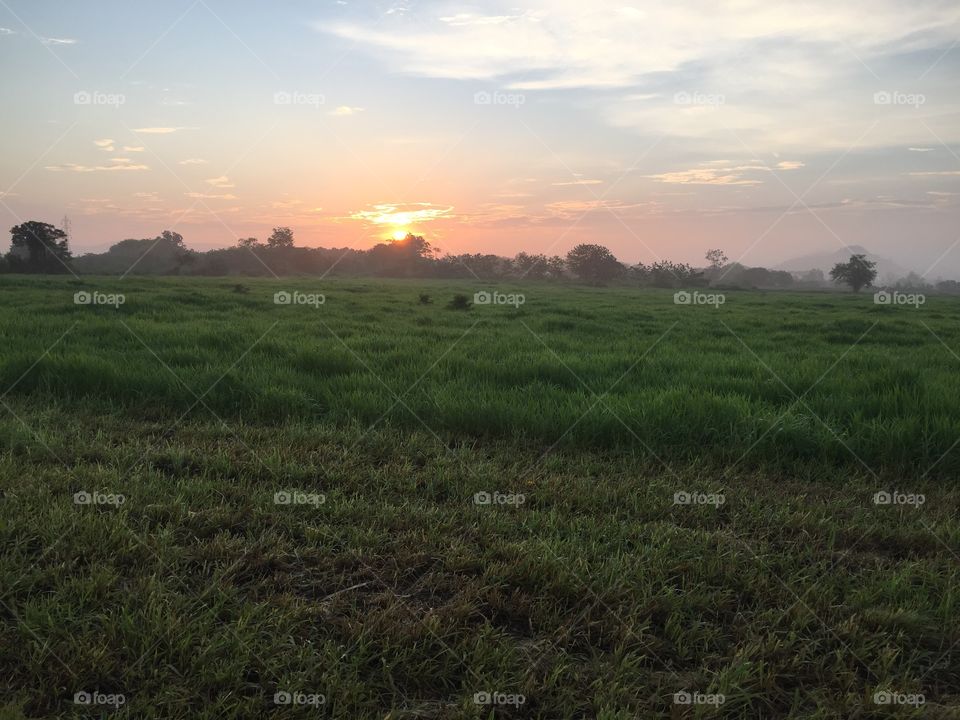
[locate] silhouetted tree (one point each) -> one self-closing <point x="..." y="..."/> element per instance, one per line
<point x="250" y="242"/>
<point x="594" y="263"/>
<point x="281" y="237"/>
<point x="174" y="239"/>
<point x="857" y="272"/>
<point x="670" y="274"/>
<point x="716" y="258"/>
<point x="410" y="256"/>
<point x="531" y="266"/>
<point x="556" y="267"/>
<point x="38" y="247"/>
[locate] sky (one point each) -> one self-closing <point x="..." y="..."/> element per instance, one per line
<point x="660" y="129"/>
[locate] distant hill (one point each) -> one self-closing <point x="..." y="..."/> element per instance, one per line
<point x="825" y="261"/>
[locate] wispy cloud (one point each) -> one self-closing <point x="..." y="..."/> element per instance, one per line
<point x="402" y="213"/>
<point x="209" y="196"/>
<point x="105" y="144"/>
<point x="157" y="130"/>
<point x="193" y="161"/>
<point x="6" y="31"/>
<point x="346" y="110"/>
<point x="776" y="78"/>
<point x="220" y="182"/>
<point x="117" y="164"/>
<point x="578" y="182"/>
<point x="709" y="176"/>
<point x="58" y="41"/>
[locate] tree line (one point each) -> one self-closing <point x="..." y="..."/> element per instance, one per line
<point x="38" y="247"/>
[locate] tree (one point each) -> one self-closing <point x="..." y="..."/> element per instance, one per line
<point x="716" y="258"/>
<point x="857" y="272"/>
<point x="409" y="256"/>
<point x="173" y="239"/>
<point x="250" y="242"/>
<point x="37" y="247"/>
<point x="665" y="273"/>
<point x="281" y="237"/>
<point x="531" y="266"/>
<point x="594" y="263"/>
<point x="556" y="266"/>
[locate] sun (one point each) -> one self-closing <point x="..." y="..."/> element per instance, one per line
<point x="399" y="234"/>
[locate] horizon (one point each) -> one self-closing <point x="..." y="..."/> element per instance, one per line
<point x="657" y="132"/>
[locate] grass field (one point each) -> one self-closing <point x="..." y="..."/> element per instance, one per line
<point x="588" y="586"/>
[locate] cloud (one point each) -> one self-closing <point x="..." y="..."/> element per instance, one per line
<point x="402" y="213"/>
<point x="206" y="196"/>
<point x="106" y="145"/>
<point x="58" y="41"/>
<point x="776" y="78"/>
<point x="117" y="164"/>
<point x="578" y="182"/>
<point x="935" y="173"/>
<point x="220" y="182"/>
<point x="127" y="148"/>
<point x="469" y="19"/>
<point x="6" y="31"/>
<point x="710" y="176"/>
<point x="193" y="161"/>
<point x="920" y="149"/>
<point x="157" y="130"/>
<point x="573" y="44"/>
<point x="345" y="110"/>
<point x="790" y="165"/>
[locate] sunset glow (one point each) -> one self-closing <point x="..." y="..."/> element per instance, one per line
<point x="531" y="127"/>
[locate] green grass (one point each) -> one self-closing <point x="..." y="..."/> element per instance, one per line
<point x="398" y="596"/>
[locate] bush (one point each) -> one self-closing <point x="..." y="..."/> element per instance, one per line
<point x="460" y="302"/>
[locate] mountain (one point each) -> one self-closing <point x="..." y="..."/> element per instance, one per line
<point x="826" y="260"/>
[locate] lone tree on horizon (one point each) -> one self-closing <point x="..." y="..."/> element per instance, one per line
<point x="857" y="272"/>
<point x="38" y="247"/>
<point x="594" y="263"/>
